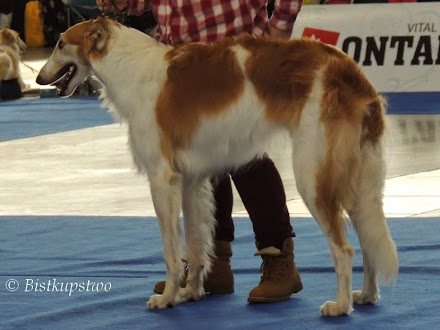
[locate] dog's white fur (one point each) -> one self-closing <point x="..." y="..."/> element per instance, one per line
<point x="11" y="46"/>
<point x="338" y="150"/>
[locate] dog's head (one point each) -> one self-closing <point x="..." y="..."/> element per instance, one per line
<point x="70" y="62"/>
<point x="11" y="38"/>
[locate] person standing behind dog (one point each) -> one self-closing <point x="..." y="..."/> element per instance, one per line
<point x="258" y="183"/>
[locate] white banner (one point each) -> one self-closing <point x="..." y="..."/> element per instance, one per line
<point x="397" y="45"/>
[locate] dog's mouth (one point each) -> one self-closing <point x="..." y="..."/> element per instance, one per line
<point x="63" y="78"/>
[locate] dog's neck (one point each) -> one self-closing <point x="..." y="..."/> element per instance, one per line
<point x="134" y="64"/>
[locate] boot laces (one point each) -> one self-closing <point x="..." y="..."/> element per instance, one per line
<point x="273" y="268"/>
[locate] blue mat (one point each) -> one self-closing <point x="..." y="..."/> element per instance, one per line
<point x="32" y="117"/>
<point x="120" y="259"/>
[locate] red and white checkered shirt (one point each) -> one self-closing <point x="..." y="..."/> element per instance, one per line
<point x="181" y="21"/>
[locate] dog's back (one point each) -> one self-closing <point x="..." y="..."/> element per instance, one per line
<point x="236" y="92"/>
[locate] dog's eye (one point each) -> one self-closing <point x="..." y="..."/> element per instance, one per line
<point x="60" y="44"/>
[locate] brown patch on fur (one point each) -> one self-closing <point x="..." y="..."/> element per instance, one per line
<point x="203" y="80"/>
<point x="346" y="91"/>
<point x="92" y="36"/>
<point x="374" y="122"/>
<point x="283" y="74"/>
<point x="8" y="38"/>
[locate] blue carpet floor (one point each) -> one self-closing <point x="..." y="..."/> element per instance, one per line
<point x="123" y="256"/>
<point x="120" y="259"/>
<point x="32" y="117"/>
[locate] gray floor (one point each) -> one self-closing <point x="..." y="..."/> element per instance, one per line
<point x="89" y="171"/>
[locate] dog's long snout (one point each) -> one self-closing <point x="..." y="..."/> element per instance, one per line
<point x="42" y="78"/>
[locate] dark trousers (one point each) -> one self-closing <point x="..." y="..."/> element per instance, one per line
<point x="261" y="190"/>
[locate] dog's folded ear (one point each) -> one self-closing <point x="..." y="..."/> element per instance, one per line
<point x="97" y="36"/>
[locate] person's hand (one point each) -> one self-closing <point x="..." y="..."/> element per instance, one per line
<point x="110" y="6"/>
<point x="274" y="33"/>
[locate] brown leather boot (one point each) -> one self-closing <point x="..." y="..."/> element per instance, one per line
<point x="280" y="277"/>
<point x="220" y="280"/>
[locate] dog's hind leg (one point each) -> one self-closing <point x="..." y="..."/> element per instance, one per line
<point x="316" y="179"/>
<point x="197" y="206"/>
<point x="331" y="223"/>
<point x="378" y="249"/>
<point x="166" y="193"/>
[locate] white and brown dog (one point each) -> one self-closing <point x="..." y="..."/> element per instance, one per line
<point x="11" y="47"/>
<point x="200" y="109"/>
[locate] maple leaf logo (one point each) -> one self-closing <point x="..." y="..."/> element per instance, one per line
<point x="327" y="37"/>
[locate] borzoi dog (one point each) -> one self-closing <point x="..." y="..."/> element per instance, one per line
<point x="199" y="109"/>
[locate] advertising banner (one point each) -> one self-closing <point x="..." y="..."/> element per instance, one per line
<point x="397" y="45"/>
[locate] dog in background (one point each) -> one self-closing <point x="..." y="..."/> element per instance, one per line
<point x="199" y="109"/>
<point x="5" y="20"/>
<point x="6" y="9"/>
<point x="11" y="46"/>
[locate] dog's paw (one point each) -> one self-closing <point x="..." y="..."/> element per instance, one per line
<point x="361" y="298"/>
<point x="332" y="308"/>
<point x="159" y="301"/>
<point x="188" y="294"/>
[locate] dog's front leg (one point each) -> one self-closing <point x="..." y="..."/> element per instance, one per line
<point x="199" y="228"/>
<point x="23" y="85"/>
<point x="166" y="194"/>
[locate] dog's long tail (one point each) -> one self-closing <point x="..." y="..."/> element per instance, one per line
<point x="367" y="212"/>
<point x="356" y="162"/>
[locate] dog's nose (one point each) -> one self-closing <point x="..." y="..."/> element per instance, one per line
<point x="40" y="80"/>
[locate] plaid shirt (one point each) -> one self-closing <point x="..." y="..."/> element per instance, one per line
<point x="181" y="21"/>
